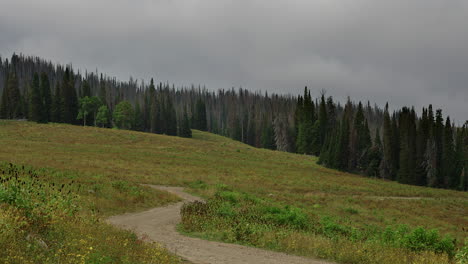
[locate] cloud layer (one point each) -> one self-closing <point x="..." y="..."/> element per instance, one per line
<point x="405" y="52"/>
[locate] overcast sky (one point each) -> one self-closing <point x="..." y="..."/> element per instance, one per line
<point x="407" y="52"/>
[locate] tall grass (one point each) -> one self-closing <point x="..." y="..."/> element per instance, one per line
<point x="44" y="222"/>
<point x="242" y="218"/>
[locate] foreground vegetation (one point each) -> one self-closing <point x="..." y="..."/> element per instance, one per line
<point x="104" y="159"/>
<point x="46" y="217"/>
<point x="242" y="218"/>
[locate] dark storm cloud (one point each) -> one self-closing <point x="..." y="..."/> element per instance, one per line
<point x="405" y="52"/>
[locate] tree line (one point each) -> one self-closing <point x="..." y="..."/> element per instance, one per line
<point x="421" y="150"/>
<point x="358" y="138"/>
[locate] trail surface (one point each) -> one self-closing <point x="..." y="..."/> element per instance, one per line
<point x="159" y="224"/>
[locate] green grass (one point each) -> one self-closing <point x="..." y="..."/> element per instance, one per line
<point x="207" y="161"/>
<point x="245" y="219"/>
<point x="45" y="219"/>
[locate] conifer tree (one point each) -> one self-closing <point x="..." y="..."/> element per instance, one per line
<point x="69" y="97"/>
<point x="57" y="104"/>
<point x="341" y="151"/>
<point x="200" y="122"/>
<point x="360" y="141"/>
<point x="320" y="127"/>
<point x="421" y="145"/>
<point x="395" y="146"/>
<point x="35" y="100"/>
<point x="102" y="91"/>
<point x="448" y="157"/>
<point x="155" y="126"/>
<point x="268" y="137"/>
<point x="171" y="118"/>
<point x="12" y="105"/>
<point x="138" y="120"/>
<point x="459" y="164"/>
<point x="374" y="156"/>
<point x="439" y="142"/>
<point x="46" y="98"/>
<point x="86" y="89"/>
<point x="184" y="128"/>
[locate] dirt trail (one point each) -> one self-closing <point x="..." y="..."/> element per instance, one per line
<point x="159" y="224"/>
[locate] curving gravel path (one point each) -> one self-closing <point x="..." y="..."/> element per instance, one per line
<point x="159" y="224"/>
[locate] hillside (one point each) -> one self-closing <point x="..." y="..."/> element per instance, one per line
<point x="215" y="162"/>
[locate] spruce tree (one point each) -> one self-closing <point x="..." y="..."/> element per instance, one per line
<point x="12" y="105"/>
<point x="4" y="106"/>
<point x="154" y="117"/>
<point x="459" y="163"/>
<point x="439" y="142"/>
<point x="69" y="97"/>
<point x="35" y="100"/>
<point x="200" y="122"/>
<point x="374" y="156"/>
<point x="184" y="128"/>
<point x="102" y="91"/>
<point x="360" y="141"/>
<point x="421" y="145"/>
<point x="320" y="127"/>
<point x="86" y="89"/>
<point x="450" y="180"/>
<point x="57" y="105"/>
<point x="171" y="118"/>
<point x="268" y="136"/>
<point x="46" y="98"/>
<point x="341" y="151"/>
<point x="138" y="120"/>
<point x="395" y="146"/>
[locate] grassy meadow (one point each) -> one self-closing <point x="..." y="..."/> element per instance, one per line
<point x="340" y="216"/>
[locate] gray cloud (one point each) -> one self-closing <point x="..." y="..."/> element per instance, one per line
<point x="405" y="52"/>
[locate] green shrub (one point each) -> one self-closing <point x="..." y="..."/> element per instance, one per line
<point x="462" y="254"/>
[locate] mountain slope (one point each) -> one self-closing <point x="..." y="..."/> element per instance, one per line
<point x="279" y="177"/>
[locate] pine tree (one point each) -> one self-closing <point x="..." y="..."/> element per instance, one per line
<point x="407" y="132"/>
<point x="320" y="127"/>
<point x="360" y="141"/>
<point x="305" y="137"/>
<point x="171" y="118"/>
<point x="459" y="164"/>
<point x="86" y="89"/>
<point x="69" y="97"/>
<point x="12" y="105"/>
<point x="439" y="141"/>
<point x="4" y="106"/>
<point x="395" y="147"/>
<point x="268" y="137"/>
<point x="374" y="156"/>
<point x="102" y="91"/>
<point x="450" y="180"/>
<point x="421" y="145"/>
<point x="155" y="126"/>
<point x="184" y="128"/>
<point x="57" y="105"/>
<point x="35" y="100"/>
<point x="200" y="122"/>
<point x="341" y="151"/>
<point x="138" y="120"/>
<point x="46" y="98"/>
